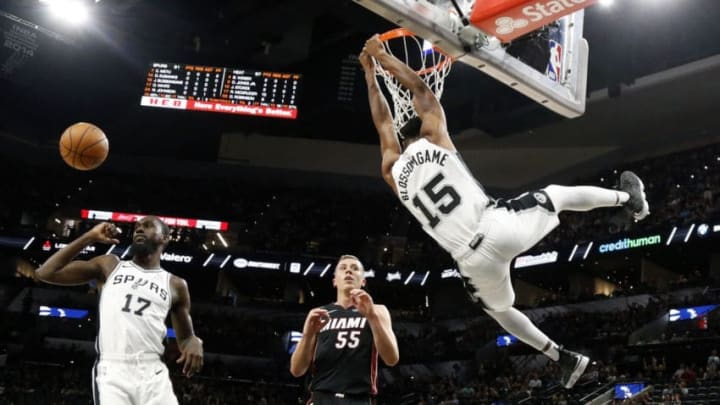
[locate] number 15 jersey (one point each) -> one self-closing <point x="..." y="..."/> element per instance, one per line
<point x="436" y="186"/>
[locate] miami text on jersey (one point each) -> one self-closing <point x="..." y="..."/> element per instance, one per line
<point x="357" y="322"/>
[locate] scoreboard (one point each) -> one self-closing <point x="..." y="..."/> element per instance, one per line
<point x="221" y="90"/>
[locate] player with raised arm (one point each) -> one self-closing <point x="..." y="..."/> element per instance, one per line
<point x="482" y="234"/>
<point x="135" y="299"/>
<point x="341" y="342"/>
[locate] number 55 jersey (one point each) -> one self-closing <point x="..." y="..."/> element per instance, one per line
<point x="345" y="359"/>
<point x="438" y="189"/>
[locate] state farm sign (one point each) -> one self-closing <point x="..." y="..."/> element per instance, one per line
<point x="510" y="19"/>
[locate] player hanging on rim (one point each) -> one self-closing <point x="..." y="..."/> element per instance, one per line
<point x="135" y="300"/>
<point x="482" y="234"/>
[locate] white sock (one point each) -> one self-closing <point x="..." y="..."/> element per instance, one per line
<point x="552" y="351"/>
<point x="520" y="326"/>
<point x="584" y="198"/>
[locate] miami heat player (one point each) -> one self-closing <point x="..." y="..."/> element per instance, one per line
<point x="341" y="342"/>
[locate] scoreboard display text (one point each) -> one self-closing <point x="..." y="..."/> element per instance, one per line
<point x="221" y="90"/>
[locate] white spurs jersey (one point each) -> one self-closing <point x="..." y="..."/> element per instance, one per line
<point x="436" y="186"/>
<point x="134" y="304"/>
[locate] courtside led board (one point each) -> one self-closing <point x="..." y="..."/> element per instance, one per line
<point x="221" y="90"/>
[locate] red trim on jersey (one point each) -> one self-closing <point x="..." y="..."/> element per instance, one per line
<point x="373" y="370"/>
<point x="312" y="372"/>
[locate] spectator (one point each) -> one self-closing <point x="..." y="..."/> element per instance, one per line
<point x="713" y="362"/>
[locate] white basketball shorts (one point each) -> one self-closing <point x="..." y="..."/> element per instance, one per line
<point x="132" y="382"/>
<point x="508" y="228"/>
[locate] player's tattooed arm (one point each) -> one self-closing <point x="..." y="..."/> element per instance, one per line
<point x="191" y="346"/>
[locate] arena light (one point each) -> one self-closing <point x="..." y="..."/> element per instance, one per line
<point x="536" y="260"/>
<point x="450" y="273"/>
<point x="505" y="340"/>
<point x="689" y="233"/>
<point x="683" y="314"/>
<point x="170" y="221"/>
<point x="606" y="3"/>
<point x="56" y="312"/>
<point x="422" y="283"/>
<point x="29" y="242"/>
<point x="72" y="11"/>
<point x="626" y="391"/>
<point x="222" y="240"/>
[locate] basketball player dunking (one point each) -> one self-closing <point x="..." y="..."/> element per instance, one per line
<point x="135" y="300"/>
<point x="341" y="342"/>
<point x="482" y="234"/>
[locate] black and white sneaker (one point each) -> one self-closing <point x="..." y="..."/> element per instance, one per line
<point x="637" y="204"/>
<point x="572" y="365"/>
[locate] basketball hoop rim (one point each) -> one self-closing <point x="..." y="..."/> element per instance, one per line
<point x="404" y="32"/>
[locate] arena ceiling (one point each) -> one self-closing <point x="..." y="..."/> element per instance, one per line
<point x="96" y="73"/>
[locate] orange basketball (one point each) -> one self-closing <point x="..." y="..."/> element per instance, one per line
<point x="84" y="146"/>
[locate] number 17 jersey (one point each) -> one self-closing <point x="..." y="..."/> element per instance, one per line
<point x="438" y="189"/>
<point x="134" y="304"/>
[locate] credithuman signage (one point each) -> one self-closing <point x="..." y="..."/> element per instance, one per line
<point x="628" y="243"/>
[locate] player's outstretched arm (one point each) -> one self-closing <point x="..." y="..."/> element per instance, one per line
<point x="382" y="118"/>
<point x="426" y="104"/>
<point x="60" y="268"/>
<point x="191" y="346"/>
<point x="380" y="322"/>
<point x="302" y="357"/>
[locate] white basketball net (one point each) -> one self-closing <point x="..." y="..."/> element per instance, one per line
<point x="431" y="64"/>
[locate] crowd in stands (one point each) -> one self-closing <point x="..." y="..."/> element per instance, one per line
<point x="498" y="380"/>
<point x="683" y="187"/>
<point x="497" y="383"/>
<point x="33" y="383"/>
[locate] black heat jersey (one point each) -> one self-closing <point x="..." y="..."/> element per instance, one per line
<point x="345" y="356"/>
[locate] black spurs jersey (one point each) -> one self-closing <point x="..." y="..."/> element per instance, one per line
<point x="345" y="358"/>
